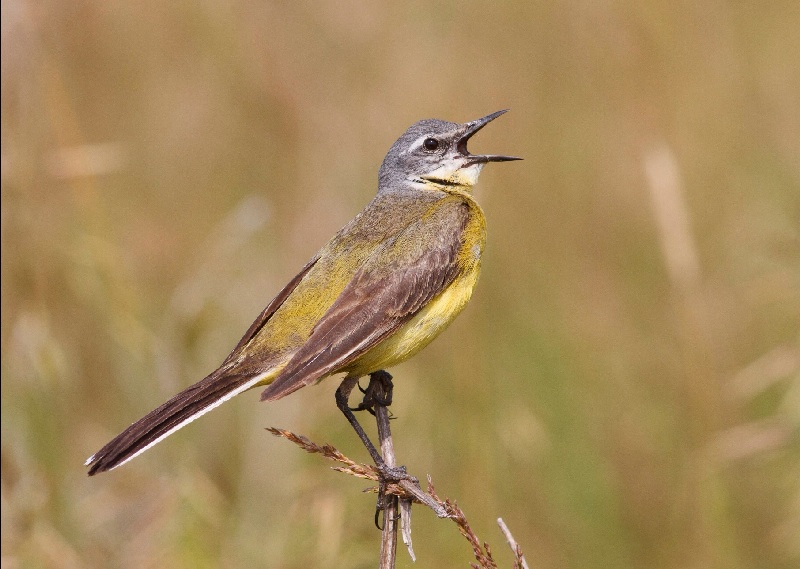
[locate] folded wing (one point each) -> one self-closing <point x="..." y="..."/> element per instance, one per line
<point x="397" y="280"/>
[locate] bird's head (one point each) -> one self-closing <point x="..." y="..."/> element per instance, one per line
<point x="434" y="152"/>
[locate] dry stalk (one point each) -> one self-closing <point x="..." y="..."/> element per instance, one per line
<point x="408" y="492"/>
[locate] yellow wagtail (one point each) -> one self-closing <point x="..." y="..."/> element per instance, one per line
<point x="385" y="286"/>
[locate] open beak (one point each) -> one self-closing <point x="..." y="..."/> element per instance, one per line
<point x="471" y="128"/>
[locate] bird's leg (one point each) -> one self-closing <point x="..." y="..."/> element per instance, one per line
<point x="342" y="396"/>
<point x="377" y="393"/>
<point x="389" y="473"/>
<point x="377" y="398"/>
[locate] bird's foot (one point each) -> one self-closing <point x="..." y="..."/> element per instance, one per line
<point x="389" y="475"/>
<point x="394" y="474"/>
<point x="378" y="392"/>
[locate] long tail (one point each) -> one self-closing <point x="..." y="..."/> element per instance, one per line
<point x="181" y="410"/>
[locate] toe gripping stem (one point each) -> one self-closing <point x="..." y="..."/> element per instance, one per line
<point x="377" y="394"/>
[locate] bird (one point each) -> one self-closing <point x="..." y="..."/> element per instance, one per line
<point x="378" y="292"/>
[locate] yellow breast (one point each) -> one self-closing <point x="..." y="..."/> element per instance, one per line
<point x="431" y="320"/>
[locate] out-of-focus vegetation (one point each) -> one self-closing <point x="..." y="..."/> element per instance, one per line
<point x="623" y="388"/>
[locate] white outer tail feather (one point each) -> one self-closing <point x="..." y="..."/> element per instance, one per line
<point x="189" y="419"/>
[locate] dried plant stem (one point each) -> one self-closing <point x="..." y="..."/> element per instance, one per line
<point x="400" y="496"/>
<point x="482" y="552"/>
<point x="390" y="501"/>
<point x="519" y="561"/>
<point x="408" y="492"/>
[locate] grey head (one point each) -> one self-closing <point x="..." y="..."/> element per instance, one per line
<point x="433" y="153"/>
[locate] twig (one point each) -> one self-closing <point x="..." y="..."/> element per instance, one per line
<point x="388" y="502"/>
<point x="519" y="561"/>
<point x="351" y="467"/>
<point x="407" y="492"/>
<point x="482" y="552"/>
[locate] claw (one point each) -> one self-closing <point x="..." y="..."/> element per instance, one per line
<point x="377" y="394"/>
<point x="371" y="398"/>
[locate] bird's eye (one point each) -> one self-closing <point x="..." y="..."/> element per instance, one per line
<point x="431" y="144"/>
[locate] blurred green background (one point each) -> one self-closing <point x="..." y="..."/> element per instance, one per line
<point x="623" y="389"/>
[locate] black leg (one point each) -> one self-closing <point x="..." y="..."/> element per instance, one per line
<point x="342" y="396"/>
<point x="388" y="473"/>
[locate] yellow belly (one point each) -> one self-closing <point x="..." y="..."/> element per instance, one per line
<point x="421" y="329"/>
<point x="439" y="312"/>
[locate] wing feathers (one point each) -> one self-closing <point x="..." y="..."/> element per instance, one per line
<point x="226" y="382"/>
<point x="182" y="409"/>
<point x="395" y="283"/>
<point x="267" y="313"/>
<point x="398" y="279"/>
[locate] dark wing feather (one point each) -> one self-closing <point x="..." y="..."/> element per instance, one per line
<point x="398" y="280"/>
<point x="192" y="401"/>
<point x="267" y="313"/>
<point x="181" y="409"/>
